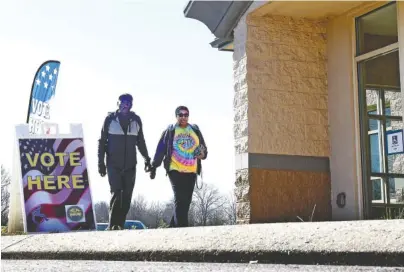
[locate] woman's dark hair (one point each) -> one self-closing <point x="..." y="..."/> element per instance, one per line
<point x="180" y="108"/>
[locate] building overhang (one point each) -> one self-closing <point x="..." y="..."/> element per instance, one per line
<point x="221" y="17"/>
<point x="223" y="44"/>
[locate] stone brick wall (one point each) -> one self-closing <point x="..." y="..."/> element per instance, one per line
<point x="287" y="86"/>
<point x="280" y="107"/>
<point x="240" y="104"/>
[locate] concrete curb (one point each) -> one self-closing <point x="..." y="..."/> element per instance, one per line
<point x="295" y="257"/>
<point x="376" y="243"/>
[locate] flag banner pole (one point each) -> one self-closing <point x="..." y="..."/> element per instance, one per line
<point x="42" y="94"/>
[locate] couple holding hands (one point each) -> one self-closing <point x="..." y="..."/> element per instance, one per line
<point x="181" y="148"/>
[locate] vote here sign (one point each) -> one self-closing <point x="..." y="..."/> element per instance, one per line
<point x="55" y="185"/>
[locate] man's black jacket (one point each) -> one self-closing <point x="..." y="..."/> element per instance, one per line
<point x="120" y="147"/>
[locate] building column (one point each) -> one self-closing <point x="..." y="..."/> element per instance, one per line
<point x="281" y="119"/>
<point x="240" y="104"/>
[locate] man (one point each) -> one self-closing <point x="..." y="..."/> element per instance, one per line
<point x="182" y="148"/>
<point x="121" y="133"/>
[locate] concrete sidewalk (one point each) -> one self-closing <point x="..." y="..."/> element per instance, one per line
<point x="379" y="243"/>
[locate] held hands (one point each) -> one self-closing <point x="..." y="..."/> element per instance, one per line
<point x="153" y="172"/>
<point x="147" y="165"/>
<point x="149" y="168"/>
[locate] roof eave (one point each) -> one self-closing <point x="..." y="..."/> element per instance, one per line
<point x="221" y="17"/>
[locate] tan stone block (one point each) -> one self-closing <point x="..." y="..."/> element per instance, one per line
<point x="273" y="98"/>
<point x="309" y="85"/>
<point x="287" y="145"/>
<point x="291" y="105"/>
<point x="307" y="25"/>
<point x="254" y="96"/>
<point x="242" y="193"/>
<point x="317" y="132"/>
<point x="265" y="113"/>
<point x="301" y="69"/>
<point x="273" y="144"/>
<point x="268" y="81"/>
<point x="323" y="114"/>
<point x="252" y="20"/>
<point x="239" y="67"/>
<point x="259" y="49"/>
<point x="287" y="131"/>
<point x="289" y="23"/>
<point x="268" y="51"/>
<point x="243" y="210"/>
<point x="306" y="54"/>
<point x="323" y="69"/>
<point x="260" y="66"/>
<point x="289" y="115"/>
<point x="255" y="142"/>
<point x="240" y="113"/>
<point x="312" y="117"/>
<point x="242" y="184"/>
<point x="242" y="177"/>
<point x="240" y="98"/>
<point x="315" y="101"/>
<point x="317" y="148"/>
<point x="274" y="21"/>
<point x="293" y="37"/>
<point x="278" y="114"/>
<point x="259" y="113"/>
<point x="240" y="82"/>
<point x="241" y="145"/>
<point x="241" y="129"/>
<point x="283" y="52"/>
<point x="263" y="34"/>
<point x="292" y="115"/>
<point x="319" y="38"/>
<point x="290" y="99"/>
<point x="316" y="117"/>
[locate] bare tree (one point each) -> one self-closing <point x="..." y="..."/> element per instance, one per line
<point x="5" y="195"/>
<point x="192" y="214"/>
<point x="102" y="212"/>
<point x="207" y="200"/>
<point x="218" y="217"/>
<point x="168" y="211"/>
<point x="138" y="209"/>
<point x="156" y="213"/>
<point x="230" y="209"/>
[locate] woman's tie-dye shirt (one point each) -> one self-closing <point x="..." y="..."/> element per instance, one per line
<point x="184" y="144"/>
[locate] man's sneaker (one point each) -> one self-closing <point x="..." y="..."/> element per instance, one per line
<point x="115" y="227"/>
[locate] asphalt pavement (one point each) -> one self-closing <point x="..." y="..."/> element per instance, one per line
<point x="85" y="266"/>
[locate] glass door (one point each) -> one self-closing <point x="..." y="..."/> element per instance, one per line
<point x="381" y="112"/>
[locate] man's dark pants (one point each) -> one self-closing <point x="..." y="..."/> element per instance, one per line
<point x="122" y="184"/>
<point x="183" y="187"/>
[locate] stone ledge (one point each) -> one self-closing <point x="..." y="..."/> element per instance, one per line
<point x="350" y="243"/>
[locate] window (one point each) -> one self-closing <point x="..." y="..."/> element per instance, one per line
<point x="377" y="29"/>
<point x="380" y="102"/>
